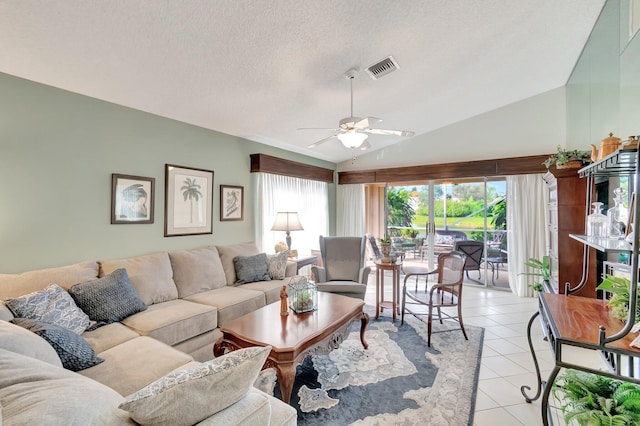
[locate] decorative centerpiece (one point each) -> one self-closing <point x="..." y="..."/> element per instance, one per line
<point x="303" y="294"/>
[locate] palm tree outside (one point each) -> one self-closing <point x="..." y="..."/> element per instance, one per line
<point x="191" y="191"/>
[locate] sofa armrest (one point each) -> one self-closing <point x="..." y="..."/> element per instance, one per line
<point x="291" y="269"/>
<point x="319" y="273"/>
<point x="363" y="276"/>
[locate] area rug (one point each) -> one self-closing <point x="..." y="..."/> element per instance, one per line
<point x="397" y="381"/>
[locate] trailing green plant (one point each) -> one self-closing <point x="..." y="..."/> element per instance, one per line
<point x="620" y="289"/>
<point x="409" y="233"/>
<point x="542" y="271"/>
<point x="563" y="156"/>
<point x="592" y="399"/>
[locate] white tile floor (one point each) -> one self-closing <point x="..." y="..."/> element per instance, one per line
<point x="506" y="362"/>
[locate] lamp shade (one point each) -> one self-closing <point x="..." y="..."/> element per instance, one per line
<point x="352" y="139"/>
<point x="287" y="221"/>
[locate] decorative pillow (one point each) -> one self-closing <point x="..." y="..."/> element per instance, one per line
<point x="53" y="305"/>
<point x="250" y="269"/>
<point x="74" y="352"/>
<point x="445" y="239"/>
<point x="109" y="299"/>
<point x="278" y="265"/>
<point x="188" y="396"/>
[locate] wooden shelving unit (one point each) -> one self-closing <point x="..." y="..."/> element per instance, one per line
<point x="572" y="320"/>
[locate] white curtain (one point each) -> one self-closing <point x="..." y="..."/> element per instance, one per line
<point x="527" y="222"/>
<point x="350" y="211"/>
<point x="276" y="193"/>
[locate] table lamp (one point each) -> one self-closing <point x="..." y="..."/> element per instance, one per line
<point x="287" y="221"/>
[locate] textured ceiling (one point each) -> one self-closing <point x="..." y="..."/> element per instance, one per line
<point x="261" y="69"/>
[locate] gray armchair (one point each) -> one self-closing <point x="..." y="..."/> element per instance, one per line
<point x="343" y="270"/>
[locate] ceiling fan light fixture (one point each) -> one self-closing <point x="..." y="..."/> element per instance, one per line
<point x="352" y="139"/>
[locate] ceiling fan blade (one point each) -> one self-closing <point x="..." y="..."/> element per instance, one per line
<point x="389" y="132"/>
<point x="321" y="141"/>
<point x="367" y="122"/>
<point x="317" y="128"/>
<point x="365" y="145"/>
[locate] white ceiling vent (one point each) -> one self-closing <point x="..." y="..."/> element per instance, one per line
<point x="382" y="68"/>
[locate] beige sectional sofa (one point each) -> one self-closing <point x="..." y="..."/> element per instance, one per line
<point x="188" y="294"/>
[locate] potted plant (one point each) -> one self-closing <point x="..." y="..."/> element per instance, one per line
<point x="568" y="158"/>
<point x="385" y="248"/>
<point x="591" y="399"/>
<point x="542" y="271"/>
<point x="619" y="287"/>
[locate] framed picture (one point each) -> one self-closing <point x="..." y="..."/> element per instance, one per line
<point x="188" y="206"/>
<point x="132" y="199"/>
<point x="231" y="202"/>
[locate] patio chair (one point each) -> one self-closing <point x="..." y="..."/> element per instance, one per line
<point x="446" y="293"/>
<point x="343" y="271"/>
<point x="473" y="250"/>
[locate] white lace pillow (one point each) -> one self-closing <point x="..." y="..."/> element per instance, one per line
<point x="52" y="305"/>
<point x="188" y="396"/>
<point x="278" y="265"/>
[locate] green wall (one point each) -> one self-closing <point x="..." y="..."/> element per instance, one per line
<point x="604" y="88"/>
<point x="57" y="153"/>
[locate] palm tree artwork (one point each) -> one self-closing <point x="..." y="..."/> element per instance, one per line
<point x="191" y="192"/>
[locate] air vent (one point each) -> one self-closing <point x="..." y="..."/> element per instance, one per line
<point x="382" y="68"/>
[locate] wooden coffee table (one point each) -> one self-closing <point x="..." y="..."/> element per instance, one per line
<point x="294" y="336"/>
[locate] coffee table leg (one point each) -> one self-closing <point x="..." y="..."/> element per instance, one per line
<point x="364" y="320"/>
<point x="286" y="374"/>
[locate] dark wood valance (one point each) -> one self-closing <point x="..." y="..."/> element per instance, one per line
<point x="279" y="166"/>
<point x="498" y="167"/>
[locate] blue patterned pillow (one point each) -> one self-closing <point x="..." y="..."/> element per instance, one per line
<point x="278" y="265"/>
<point x="109" y="299"/>
<point x="250" y="269"/>
<point x="74" y="351"/>
<point x="52" y="305"/>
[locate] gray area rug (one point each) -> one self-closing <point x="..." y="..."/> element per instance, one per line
<point x="398" y="380"/>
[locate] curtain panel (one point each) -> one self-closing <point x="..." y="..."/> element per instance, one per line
<point x="277" y="193"/>
<point x="527" y="220"/>
<point x="350" y="211"/>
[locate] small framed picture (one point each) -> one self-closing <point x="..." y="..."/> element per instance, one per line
<point x="231" y="202"/>
<point x="188" y="206"/>
<point x="132" y="199"/>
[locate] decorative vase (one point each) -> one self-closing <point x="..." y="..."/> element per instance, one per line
<point x="385" y="248"/>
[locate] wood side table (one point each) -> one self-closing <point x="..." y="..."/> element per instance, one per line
<point x="395" y="273"/>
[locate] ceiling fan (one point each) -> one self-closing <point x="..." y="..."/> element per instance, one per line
<point x="354" y="131"/>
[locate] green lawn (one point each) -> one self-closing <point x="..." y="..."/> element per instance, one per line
<point x="420" y="222"/>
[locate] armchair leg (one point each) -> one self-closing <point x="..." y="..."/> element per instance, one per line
<point x="460" y="321"/>
<point x="429" y="326"/>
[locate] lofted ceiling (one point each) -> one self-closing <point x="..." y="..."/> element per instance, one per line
<point x="260" y="69"/>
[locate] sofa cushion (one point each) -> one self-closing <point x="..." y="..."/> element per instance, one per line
<point x="35" y="393"/>
<point x="278" y="265"/>
<point x="151" y="275"/>
<point x="250" y="269"/>
<point x="188" y="396"/>
<point x="108" y="299"/>
<point x="13" y="285"/>
<point x="227" y="253"/>
<point x="52" y="305"/>
<point x="254" y="409"/>
<point x="19" y="340"/>
<point x="75" y="353"/>
<point x="5" y="312"/>
<point x="231" y="302"/>
<point x="197" y="270"/>
<point x="271" y="289"/>
<point x="108" y="336"/>
<point x="137" y="362"/>
<point x="173" y="321"/>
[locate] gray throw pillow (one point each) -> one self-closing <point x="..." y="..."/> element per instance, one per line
<point x="74" y="351"/>
<point x="109" y="299"/>
<point x="53" y="305"/>
<point x="250" y="269"/>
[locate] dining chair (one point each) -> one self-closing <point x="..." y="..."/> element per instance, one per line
<point x="474" y="251"/>
<point x="445" y="293"/>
